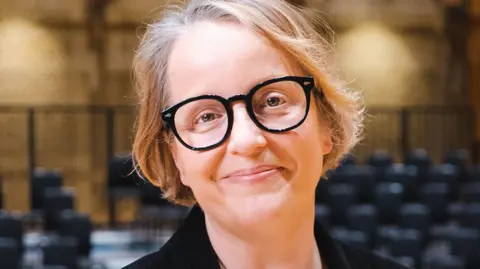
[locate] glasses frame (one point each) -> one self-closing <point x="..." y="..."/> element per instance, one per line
<point x="307" y="84"/>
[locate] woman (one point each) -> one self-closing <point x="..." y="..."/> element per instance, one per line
<point x="239" y="119"/>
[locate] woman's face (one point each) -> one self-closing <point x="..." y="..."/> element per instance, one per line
<point x="254" y="175"/>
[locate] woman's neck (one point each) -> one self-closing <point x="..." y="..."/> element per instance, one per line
<point x="283" y="243"/>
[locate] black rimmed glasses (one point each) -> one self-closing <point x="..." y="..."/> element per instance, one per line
<point x="205" y="122"/>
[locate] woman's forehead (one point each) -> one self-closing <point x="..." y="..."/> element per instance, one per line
<point x="222" y="59"/>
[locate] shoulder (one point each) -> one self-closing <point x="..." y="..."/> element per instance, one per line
<point x="162" y="258"/>
<point x="361" y="259"/>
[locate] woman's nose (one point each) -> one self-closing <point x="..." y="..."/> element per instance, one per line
<point x="246" y="138"/>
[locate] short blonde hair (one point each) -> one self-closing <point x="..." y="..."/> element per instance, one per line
<point x="286" y="26"/>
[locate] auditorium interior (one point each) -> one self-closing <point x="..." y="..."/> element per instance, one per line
<point x="410" y="190"/>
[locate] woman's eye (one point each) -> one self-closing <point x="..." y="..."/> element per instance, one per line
<point x="274" y="101"/>
<point x="207" y="117"/>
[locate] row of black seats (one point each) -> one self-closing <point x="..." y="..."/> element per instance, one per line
<point x="65" y="247"/>
<point x="66" y="233"/>
<point x="367" y="218"/>
<point x="388" y="197"/>
<point x="396" y="242"/>
<point x="418" y="158"/>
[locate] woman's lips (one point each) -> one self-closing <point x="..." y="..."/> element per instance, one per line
<point x="251" y="175"/>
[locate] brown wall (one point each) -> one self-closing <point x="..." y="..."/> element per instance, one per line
<point x="398" y="60"/>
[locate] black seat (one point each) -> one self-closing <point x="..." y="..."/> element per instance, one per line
<point x="470" y="192"/>
<point x="407" y="243"/>
<point x="363" y="218"/>
<point x="347" y="160"/>
<point x="151" y="195"/>
<point x="60" y="251"/>
<point x="435" y="197"/>
<point x="407" y="261"/>
<point x="122" y="182"/>
<point x="341" y="197"/>
<point x="10" y="257"/>
<point x="157" y="218"/>
<point x="420" y="159"/>
<point x="405" y="175"/>
<point x="385" y="235"/>
<point x="465" y="243"/>
<point x="448" y="174"/>
<point x="322" y="215"/>
<point x="56" y="200"/>
<point x="455" y="211"/>
<point x="460" y="159"/>
<point x="470" y="216"/>
<point x="1" y="192"/>
<point x="362" y="177"/>
<point x="11" y="226"/>
<point x="474" y="174"/>
<point x="443" y="262"/>
<point x="417" y="217"/>
<point x="78" y="226"/>
<point x="39" y="181"/>
<point x="388" y="199"/>
<point x="356" y="239"/>
<point x="321" y="192"/>
<point x="380" y="160"/>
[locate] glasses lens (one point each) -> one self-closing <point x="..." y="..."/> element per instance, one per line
<point x="280" y="105"/>
<point x="201" y="123"/>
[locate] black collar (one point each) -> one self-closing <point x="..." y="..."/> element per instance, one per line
<point x="197" y="251"/>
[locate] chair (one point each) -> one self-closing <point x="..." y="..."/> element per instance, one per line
<point x="465" y="243"/>
<point x="380" y="160"/>
<point x="39" y="181"/>
<point x="363" y="218"/>
<point x="341" y="197"/>
<point x="348" y="159"/>
<point x="362" y="177"/>
<point x="321" y="192"/>
<point x="405" y="175"/>
<point x="456" y="211"/>
<point x="435" y="197"/>
<point x="448" y="174"/>
<point x="407" y="243"/>
<point x="385" y="235"/>
<point x="473" y="174"/>
<point x="356" y="239"/>
<point x="11" y="226"/>
<point x="151" y="195"/>
<point x="407" y="261"/>
<point x="388" y="199"/>
<point x="56" y="200"/>
<point x="460" y="159"/>
<point x="416" y="217"/>
<point x="470" y="192"/>
<point x="470" y="216"/>
<point x="322" y="215"/>
<point x="444" y="262"/>
<point x="10" y="257"/>
<point x="60" y="251"/>
<point x="1" y="193"/>
<point x="78" y="226"/>
<point x="420" y="159"/>
<point x="122" y="182"/>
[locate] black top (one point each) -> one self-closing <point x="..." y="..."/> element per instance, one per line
<point x="190" y="248"/>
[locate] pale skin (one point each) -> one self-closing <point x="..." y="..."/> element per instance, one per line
<point x="262" y="224"/>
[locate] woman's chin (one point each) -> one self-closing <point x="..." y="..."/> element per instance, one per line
<point x="253" y="210"/>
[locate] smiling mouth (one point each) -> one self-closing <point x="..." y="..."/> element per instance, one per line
<point x="253" y="175"/>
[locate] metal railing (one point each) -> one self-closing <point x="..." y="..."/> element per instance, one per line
<point x="31" y="136"/>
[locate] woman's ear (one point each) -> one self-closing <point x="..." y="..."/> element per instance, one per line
<point x="327" y="141"/>
<point x="177" y="161"/>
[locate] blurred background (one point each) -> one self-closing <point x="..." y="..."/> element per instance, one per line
<point x="410" y="190"/>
